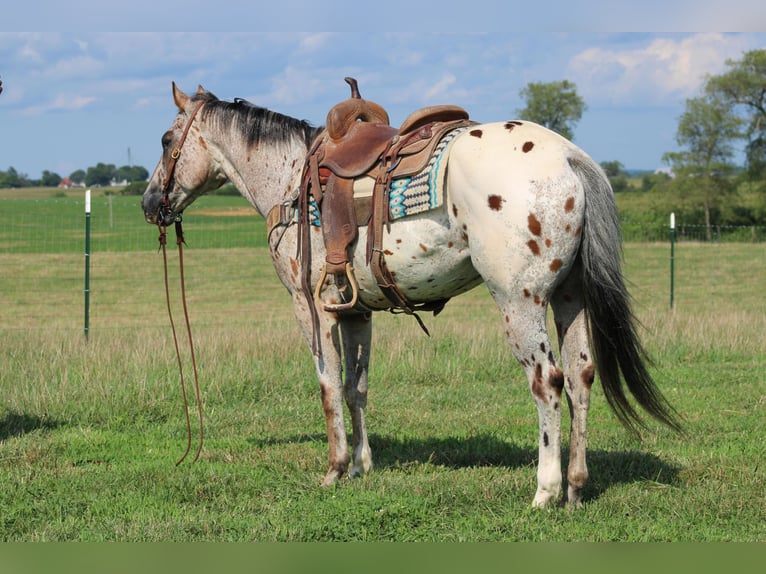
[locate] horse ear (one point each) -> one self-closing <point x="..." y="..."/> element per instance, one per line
<point x="180" y="98"/>
<point x="200" y="89"/>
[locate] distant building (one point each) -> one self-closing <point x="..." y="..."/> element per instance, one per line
<point x="67" y="183"/>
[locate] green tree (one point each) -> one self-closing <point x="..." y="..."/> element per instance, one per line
<point x="77" y="176"/>
<point x="744" y="87"/>
<point x="101" y="174"/>
<point x="555" y="105"/>
<point x="703" y="170"/>
<point x="617" y="175"/>
<point x="13" y="178"/>
<point x="131" y="173"/>
<point x="50" y="179"/>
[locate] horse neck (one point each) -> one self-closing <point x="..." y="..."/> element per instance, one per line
<point x="265" y="174"/>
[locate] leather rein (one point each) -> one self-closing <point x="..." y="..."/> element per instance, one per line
<point x="164" y="216"/>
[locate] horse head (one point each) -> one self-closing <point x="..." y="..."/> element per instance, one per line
<point x="185" y="169"/>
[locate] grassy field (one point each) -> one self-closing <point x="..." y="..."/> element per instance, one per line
<point x="90" y="430"/>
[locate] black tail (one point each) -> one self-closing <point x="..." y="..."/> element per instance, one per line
<point x="617" y="350"/>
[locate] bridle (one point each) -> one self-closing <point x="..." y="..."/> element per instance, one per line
<point x="165" y="215"/>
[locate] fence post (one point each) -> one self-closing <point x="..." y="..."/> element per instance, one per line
<point x="672" y="255"/>
<point x="87" y="262"/>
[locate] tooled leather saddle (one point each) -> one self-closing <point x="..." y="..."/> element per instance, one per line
<point x="358" y="142"/>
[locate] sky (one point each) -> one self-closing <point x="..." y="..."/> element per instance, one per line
<point x="73" y="96"/>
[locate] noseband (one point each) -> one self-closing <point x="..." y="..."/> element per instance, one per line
<point x="165" y="214"/>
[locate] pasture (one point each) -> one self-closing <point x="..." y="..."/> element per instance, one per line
<point x="90" y="429"/>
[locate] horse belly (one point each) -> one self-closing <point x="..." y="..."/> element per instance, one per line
<point x="428" y="259"/>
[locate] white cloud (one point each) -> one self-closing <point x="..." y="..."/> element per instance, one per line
<point x="440" y="87"/>
<point x="65" y="103"/>
<point x="663" y="71"/>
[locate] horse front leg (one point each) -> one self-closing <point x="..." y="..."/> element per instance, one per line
<point x="356" y="333"/>
<point x="329" y="371"/>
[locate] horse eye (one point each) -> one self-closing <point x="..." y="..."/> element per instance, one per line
<point x="167" y="138"/>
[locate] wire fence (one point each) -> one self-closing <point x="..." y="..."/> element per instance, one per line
<point x="42" y="262"/>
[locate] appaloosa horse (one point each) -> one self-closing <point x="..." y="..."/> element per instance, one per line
<point x="525" y="211"/>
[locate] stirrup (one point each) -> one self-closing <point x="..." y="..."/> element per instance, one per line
<point x="336" y="308"/>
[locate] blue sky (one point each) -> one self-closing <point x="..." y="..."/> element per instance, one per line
<point x="77" y="97"/>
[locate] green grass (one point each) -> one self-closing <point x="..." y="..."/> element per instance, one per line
<point x="90" y="431"/>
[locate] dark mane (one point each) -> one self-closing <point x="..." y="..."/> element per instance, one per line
<point x="257" y="124"/>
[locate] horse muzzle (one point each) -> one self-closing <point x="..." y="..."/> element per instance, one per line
<point x="157" y="211"/>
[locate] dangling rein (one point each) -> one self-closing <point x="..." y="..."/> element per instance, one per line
<point x="164" y="211"/>
<point x="163" y="244"/>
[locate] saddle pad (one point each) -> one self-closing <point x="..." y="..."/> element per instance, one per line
<point x="408" y="195"/>
<point x="418" y="193"/>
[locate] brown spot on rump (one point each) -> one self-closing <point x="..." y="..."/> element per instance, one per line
<point x="548" y="242"/>
<point x="527" y="147"/>
<point x="423" y="248"/>
<point x="512" y="124"/>
<point x="454" y="210"/>
<point x="476" y="133"/>
<point x="569" y="205"/>
<point x="527" y="293"/>
<point x="537" y="299"/>
<point x="398" y="241"/>
<point x="534" y="225"/>
<point x="533" y="247"/>
<point x="495" y="202"/>
<point x="450" y="245"/>
<point x="588" y="375"/>
<point x="387" y="252"/>
<point x="556" y="264"/>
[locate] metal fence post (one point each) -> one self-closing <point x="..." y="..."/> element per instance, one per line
<point x="87" y="262"/>
<point x="672" y="255"/>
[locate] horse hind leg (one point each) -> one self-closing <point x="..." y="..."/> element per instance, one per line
<point x="525" y="329"/>
<point x="356" y="333"/>
<point x="571" y="324"/>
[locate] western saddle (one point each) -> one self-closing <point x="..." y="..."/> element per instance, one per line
<point x="359" y="142"/>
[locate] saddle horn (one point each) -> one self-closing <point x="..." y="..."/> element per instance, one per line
<point x="343" y="115"/>
<point x="354" y="87"/>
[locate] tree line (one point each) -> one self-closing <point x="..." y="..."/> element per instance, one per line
<point x="702" y="175"/>
<point x="101" y="174"/>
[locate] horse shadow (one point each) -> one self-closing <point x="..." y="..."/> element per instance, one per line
<point x="607" y="469"/>
<point x="16" y="424"/>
